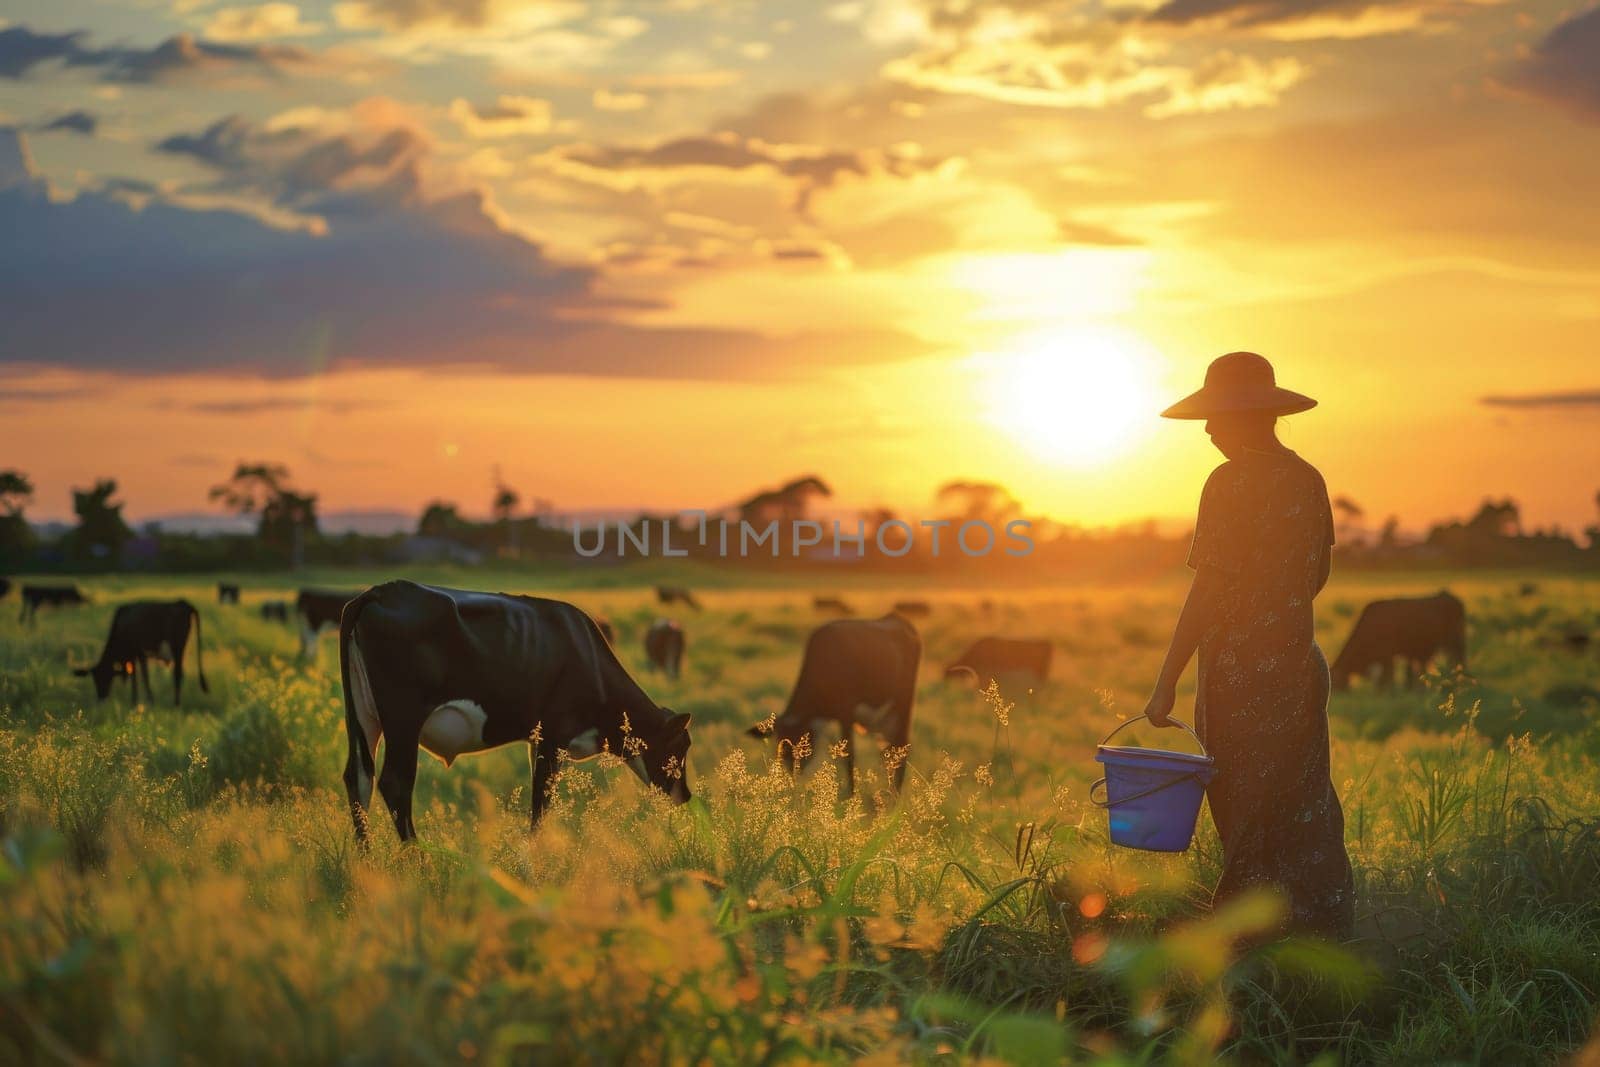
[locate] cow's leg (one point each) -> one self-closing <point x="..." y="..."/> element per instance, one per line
<point x="847" y="731"/>
<point x="359" y="772"/>
<point x="1386" y="674"/>
<point x="398" y="780"/>
<point x="542" y="766"/>
<point x="900" y="737"/>
<point x="177" y="679"/>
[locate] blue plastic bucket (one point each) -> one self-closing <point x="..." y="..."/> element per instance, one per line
<point x="1152" y="796"/>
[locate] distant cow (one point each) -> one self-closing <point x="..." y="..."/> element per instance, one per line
<point x="606" y="629"/>
<point x="913" y="609"/>
<point x="36" y="596"/>
<point x="855" y="672"/>
<point x="227" y="594"/>
<point x="998" y="658"/>
<point x="831" y="604"/>
<point x="663" y="644"/>
<point x="316" y="609"/>
<point x="455" y="672"/>
<point x="275" y="611"/>
<point x="1414" y="629"/>
<point x="676" y="594"/>
<point x="5" y="587"/>
<point x="1527" y="589"/>
<point x="145" y="630"/>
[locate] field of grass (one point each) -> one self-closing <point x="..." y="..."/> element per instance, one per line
<point x="184" y="887"/>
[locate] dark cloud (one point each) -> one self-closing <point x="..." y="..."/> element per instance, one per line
<point x="21" y="50"/>
<point x="1577" y="398"/>
<point x="393" y="277"/>
<point x="298" y="169"/>
<point x="404" y="14"/>
<point x="83" y="122"/>
<point x="1564" y="68"/>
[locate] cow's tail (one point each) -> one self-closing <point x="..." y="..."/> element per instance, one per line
<point x="199" y="657"/>
<point x="361" y="768"/>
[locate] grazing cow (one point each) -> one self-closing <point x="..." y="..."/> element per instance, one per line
<point x="455" y="672"/>
<point x="663" y="644"/>
<point x="36" y="596"/>
<point x="1576" y="640"/>
<point x="316" y="609"/>
<point x="606" y="630"/>
<point x="227" y="593"/>
<point x="676" y="594"/>
<point x="997" y="658"/>
<point x="145" y="630"/>
<point x="5" y="587"/>
<point x="859" y="673"/>
<point x="1527" y="589"/>
<point x="275" y="611"/>
<point x="831" y="605"/>
<point x="912" y="609"/>
<point x="1414" y="629"/>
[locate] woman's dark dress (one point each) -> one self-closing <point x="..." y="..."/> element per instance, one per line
<point x="1262" y="706"/>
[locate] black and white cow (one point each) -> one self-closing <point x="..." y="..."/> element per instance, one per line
<point x="1003" y="659"/>
<point x="142" y="631"/>
<point x="317" y="609"/>
<point x="857" y="673"/>
<point x="275" y="610"/>
<point x="36" y="596"/>
<point x="454" y="672"/>
<point x="227" y="593"/>
<point x="663" y="645"/>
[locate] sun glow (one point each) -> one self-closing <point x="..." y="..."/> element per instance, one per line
<point x="1079" y="398"/>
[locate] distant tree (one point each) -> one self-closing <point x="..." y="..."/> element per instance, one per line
<point x="787" y="503"/>
<point x="286" y="517"/>
<point x="1389" y="536"/>
<point x="1347" y="513"/>
<point x="1502" y="518"/>
<point x="440" y="519"/>
<point x="503" y="507"/>
<point x="978" y="502"/>
<point x="101" y="531"/>
<point x="16" y="536"/>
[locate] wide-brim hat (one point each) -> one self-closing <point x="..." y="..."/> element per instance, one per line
<point x="1239" y="382"/>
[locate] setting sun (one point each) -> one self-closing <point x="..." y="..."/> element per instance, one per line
<point x="1077" y="398"/>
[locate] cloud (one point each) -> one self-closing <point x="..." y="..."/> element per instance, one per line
<point x="263" y="405"/>
<point x="80" y="121"/>
<point x="454" y="16"/>
<point x="369" y="160"/>
<point x="1316" y="19"/>
<point x="622" y="167"/>
<point x="261" y="22"/>
<point x="510" y="116"/>
<point x="1577" y="398"/>
<point x="1063" y="55"/>
<point x="400" y="274"/>
<point x="1564" y="68"/>
<point x="22" y="50"/>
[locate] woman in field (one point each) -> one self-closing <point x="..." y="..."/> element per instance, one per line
<point x="1260" y="554"/>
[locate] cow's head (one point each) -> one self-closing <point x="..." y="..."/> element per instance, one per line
<point x="666" y="757"/>
<point x="104" y="673"/>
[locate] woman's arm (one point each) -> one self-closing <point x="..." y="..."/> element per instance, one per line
<point x="1198" y="608"/>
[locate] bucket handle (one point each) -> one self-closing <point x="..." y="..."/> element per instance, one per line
<point x="1175" y="722"/>
<point x="1169" y="783"/>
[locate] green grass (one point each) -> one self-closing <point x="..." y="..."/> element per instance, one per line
<point x="184" y="887"/>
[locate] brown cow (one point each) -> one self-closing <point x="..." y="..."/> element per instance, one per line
<point x="1415" y="629"/>
<point x="831" y="605"/>
<point x="912" y="609"/>
<point x="855" y="671"/>
<point x="663" y="645"/>
<point x="996" y="658"/>
<point x="676" y="594"/>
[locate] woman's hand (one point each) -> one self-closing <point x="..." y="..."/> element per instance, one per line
<point x="1159" y="709"/>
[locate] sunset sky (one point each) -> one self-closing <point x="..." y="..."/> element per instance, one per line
<point x="667" y="253"/>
